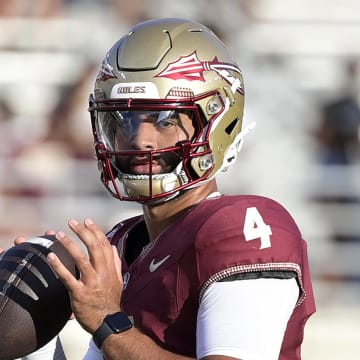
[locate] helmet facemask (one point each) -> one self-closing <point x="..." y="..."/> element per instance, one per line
<point x="116" y="123"/>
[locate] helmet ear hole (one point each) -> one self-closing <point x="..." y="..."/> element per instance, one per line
<point x="229" y="129"/>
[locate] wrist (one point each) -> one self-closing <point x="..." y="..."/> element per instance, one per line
<point x="113" y="324"/>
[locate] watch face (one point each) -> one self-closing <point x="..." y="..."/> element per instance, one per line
<point x="119" y="322"/>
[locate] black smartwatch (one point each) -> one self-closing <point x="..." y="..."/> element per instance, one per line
<point x="112" y="324"/>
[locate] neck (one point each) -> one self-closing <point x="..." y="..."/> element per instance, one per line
<point x="159" y="217"/>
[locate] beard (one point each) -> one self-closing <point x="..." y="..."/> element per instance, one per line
<point x="143" y="165"/>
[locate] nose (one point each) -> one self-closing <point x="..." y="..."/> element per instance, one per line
<point x="145" y="137"/>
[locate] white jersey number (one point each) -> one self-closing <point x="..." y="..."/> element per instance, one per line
<point x="255" y="228"/>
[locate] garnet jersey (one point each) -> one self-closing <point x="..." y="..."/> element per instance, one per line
<point x="220" y="238"/>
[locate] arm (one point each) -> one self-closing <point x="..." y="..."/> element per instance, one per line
<point x="133" y="345"/>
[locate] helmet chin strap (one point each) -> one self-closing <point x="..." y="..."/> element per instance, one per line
<point x="161" y="183"/>
<point x="231" y="154"/>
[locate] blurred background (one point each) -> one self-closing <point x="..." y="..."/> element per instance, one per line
<point x="301" y="62"/>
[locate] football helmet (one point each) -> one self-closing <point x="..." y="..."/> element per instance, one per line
<point x="164" y="68"/>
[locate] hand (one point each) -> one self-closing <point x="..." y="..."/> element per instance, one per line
<point x="98" y="291"/>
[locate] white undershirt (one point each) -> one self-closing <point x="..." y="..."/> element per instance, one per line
<point x="51" y="351"/>
<point x="245" y="319"/>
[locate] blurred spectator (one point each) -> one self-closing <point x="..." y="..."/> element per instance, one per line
<point x="6" y="115"/>
<point x="38" y="8"/>
<point x="11" y="8"/>
<point x="338" y="133"/>
<point x="129" y="12"/>
<point x="338" y="140"/>
<point x="69" y="123"/>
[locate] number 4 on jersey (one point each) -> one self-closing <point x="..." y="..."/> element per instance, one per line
<point x="255" y="228"/>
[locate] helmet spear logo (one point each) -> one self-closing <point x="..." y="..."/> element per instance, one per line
<point x="191" y="68"/>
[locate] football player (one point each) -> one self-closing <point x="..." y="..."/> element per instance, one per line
<point x="199" y="274"/>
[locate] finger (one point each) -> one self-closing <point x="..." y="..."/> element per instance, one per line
<point x="97" y="244"/>
<point x="50" y="232"/>
<point x="19" y="240"/>
<point x="66" y="277"/>
<point x="79" y="256"/>
<point x="103" y="241"/>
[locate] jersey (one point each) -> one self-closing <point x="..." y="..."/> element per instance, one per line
<point x="237" y="236"/>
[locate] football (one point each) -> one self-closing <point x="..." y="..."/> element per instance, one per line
<point x="34" y="304"/>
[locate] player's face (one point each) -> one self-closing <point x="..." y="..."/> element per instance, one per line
<point x="148" y="131"/>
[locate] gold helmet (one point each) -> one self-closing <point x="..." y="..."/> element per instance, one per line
<point x="162" y="67"/>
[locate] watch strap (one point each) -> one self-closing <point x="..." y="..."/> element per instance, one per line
<point x="101" y="334"/>
<point x="112" y="324"/>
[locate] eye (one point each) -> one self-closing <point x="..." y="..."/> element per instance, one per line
<point x="166" y="123"/>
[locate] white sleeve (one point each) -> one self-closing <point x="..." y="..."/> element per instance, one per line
<point x="93" y="352"/>
<point x="245" y="319"/>
<point x="53" y="350"/>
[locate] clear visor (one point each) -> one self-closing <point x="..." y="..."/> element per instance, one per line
<point x="145" y="142"/>
<point x="119" y="129"/>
